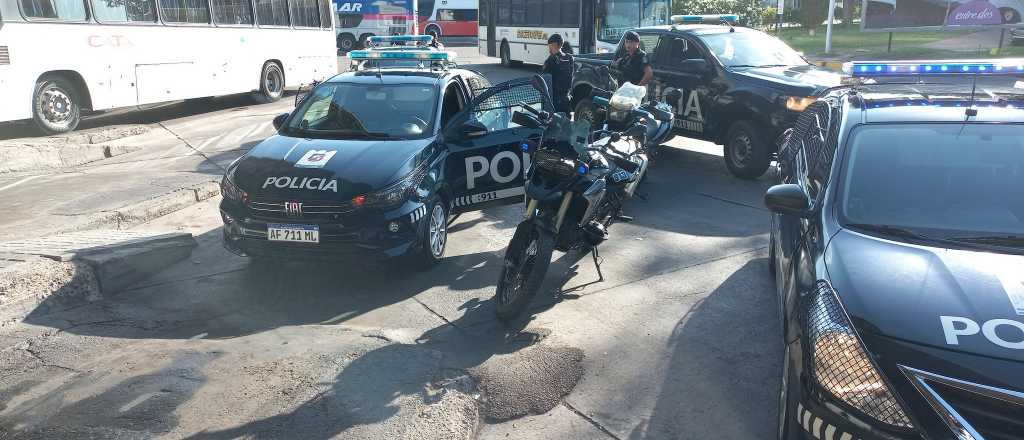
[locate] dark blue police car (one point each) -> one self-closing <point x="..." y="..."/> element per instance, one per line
<point x="376" y="162"/>
<point x="897" y="245"/>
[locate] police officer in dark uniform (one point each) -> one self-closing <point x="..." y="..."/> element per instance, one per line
<point x="633" y="64"/>
<point x="559" y="65"/>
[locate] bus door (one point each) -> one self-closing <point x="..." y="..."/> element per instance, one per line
<point x="487" y="13"/>
<point x="486" y="163"/>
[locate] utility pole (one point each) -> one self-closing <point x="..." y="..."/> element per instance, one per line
<point x="415" y="17"/>
<point x="828" y="26"/>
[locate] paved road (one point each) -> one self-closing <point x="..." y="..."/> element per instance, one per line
<point x="679" y="340"/>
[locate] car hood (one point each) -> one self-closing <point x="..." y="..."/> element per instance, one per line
<point x="283" y="167"/>
<point x="809" y="78"/>
<point x="960" y="300"/>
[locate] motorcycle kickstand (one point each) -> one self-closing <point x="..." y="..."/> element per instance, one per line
<point x="597" y="263"/>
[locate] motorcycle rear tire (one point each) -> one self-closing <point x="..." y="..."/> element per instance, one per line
<point x="530" y="278"/>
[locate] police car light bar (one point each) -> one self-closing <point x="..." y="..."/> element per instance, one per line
<point x="921" y="67"/>
<point x="715" y="18"/>
<point x="425" y="39"/>
<point x="362" y="55"/>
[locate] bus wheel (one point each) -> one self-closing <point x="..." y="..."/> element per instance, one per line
<point x="271" y="83"/>
<point x="435" y="32"/>
<point x="346" y="42"/>
<point x="55" y="105"/>
<point x="506" y="57"/>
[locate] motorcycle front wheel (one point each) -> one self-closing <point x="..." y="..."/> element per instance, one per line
<point x="526" y="263"/>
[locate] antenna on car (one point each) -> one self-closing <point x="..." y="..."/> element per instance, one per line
<point x="971" y="111"/>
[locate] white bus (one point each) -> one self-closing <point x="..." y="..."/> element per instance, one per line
<point x="517" y="30"/>
<point x="59" y="58"/>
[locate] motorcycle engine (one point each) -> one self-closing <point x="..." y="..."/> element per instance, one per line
<point x="594" y="233"/>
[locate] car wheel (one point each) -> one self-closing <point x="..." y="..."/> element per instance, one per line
<point x="56" y="106"/>
<point x="584" y="111"/>
<point x="346" y="42"/>
<point x="271" y="83"/>
<point x="506" y="57"/>
<point x="433" y="236"/>
<point x="746" y="152"/>
<point x="435" y="32"/>
<point x="1009" y="15"/>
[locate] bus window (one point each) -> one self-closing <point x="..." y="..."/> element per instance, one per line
<point x="570" y="13"/>
<point x="534" y="12"/>
<point x="229" y="11"/>
<point x="185" y="11"/>
<point x="325" y="14"/>
<point x="305" y="13"/>
<point x="518" y="12"/>
<point x="349" y="20"/>
<point x="69" y="10"/>
<point x="127" y="11"/>
<point x="272" y="12"/>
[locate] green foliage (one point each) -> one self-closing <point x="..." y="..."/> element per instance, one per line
<point x="750" y="12"/>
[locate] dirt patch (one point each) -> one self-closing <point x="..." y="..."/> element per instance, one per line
<point x="25" y="285"/>
<point x="529" y="381"/>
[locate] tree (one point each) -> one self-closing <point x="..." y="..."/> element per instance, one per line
<point x="848" y="6"/>
<point x="813" y="13"/>
<point x="750" y="12"/>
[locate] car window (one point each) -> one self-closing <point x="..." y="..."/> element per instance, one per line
<point x="344" y="110"/>
<point x="678" y="50"/>
<point x="452" y="103"/>
<point x="751" y="48"/>
<point x="953" y="180"/>
<point x="648" y="43"/>
<point x="496" y="110"/>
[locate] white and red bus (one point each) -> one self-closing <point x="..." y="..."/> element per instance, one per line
<point x="448" y="18"/>
<point x="358" y="20"/>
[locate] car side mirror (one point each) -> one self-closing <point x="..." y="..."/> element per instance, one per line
<point x="672" y="96"/>
<point x="789" y="199"/>
<point x="472" y="128"/>
<point x="279" y="120"/>
<point x="695" y="66"/>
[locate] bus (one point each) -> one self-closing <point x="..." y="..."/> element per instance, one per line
<point x="358" y="20"/>
<point x="517" y="30"/>
<point x="449" y="18"/>
<point x="62" y="58"/>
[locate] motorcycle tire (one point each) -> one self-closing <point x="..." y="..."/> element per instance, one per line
<point x="526" y="264"/>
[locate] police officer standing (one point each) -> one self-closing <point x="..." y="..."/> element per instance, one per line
<point x="559" y="65"/>
<point x="633" y="64"/>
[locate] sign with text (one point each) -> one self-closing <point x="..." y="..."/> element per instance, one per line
<point x="896" y="15"/>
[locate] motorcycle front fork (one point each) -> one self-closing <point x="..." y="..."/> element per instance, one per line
<point x="531" y="209"/>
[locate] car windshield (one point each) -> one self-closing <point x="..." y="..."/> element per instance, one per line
<point x="751" y="49"/>
<point x="947" y="180"/>
<point x="345" y="110"/>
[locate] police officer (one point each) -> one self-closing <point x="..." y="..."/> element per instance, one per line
<point x="559" y="65"/>
<point x="633" y="64"/>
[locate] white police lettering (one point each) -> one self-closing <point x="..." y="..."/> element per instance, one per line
<point x="350" y="7"/>
<point x="693" y="106"/>
<point x="955" y="326"/>
<point x="479" y="166"/>
<point x="313" y="183"/>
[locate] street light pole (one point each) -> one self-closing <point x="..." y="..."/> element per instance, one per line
<point x="415" y="17"/>
<point x="828" y="26"/>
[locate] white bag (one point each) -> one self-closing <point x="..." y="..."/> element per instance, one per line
<point x="628" y="97"/>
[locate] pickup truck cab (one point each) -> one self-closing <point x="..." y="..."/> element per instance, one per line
<point x="742" y="88"/>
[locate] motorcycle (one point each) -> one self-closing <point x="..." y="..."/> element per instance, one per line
<point x="575" y="191"/>
<point x="624" y="108"/>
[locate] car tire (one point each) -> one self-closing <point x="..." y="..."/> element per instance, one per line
<point x="271" y="83"/>
<point x="346" y="42"/>
<point x="506" y="56"/>
<point x="56" y="105"/>
<point x="746" y="152"/>
<point x="584" y="110"/>
<point x="433" y="236"/>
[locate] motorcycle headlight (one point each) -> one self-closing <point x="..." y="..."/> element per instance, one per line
<point x="231" y="192"/>
<point x="840" y="363"/>
<point x="397" y="192"/>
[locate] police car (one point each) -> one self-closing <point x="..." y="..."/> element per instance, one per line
<point x="742" y="88"/>
<point x="897" y="246"/>
<point x="377" y="161"/>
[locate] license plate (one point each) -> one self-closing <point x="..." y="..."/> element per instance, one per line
<point x="293" y="233"/>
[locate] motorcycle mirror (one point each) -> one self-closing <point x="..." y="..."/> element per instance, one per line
<point x="541" y="84"/>
<point x="525" y="120"/>
<point x="673" y="96"/>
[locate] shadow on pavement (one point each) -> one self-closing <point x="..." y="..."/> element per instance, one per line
<point x="737" y="325"/>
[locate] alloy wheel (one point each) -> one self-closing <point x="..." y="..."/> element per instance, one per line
<point x="438" y="231"/>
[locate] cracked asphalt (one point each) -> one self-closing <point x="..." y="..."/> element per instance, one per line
<point x="679" y="341"/>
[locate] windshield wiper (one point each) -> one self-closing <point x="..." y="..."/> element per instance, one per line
<point x="994" y="240"/>
<point x="892" y="231"/>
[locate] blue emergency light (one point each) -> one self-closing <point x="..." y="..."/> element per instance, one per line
<point x="422" y="55"/>
<point x="919" y="67"/>
<point x="424" y="39"/>
<point x="712" y="18"/>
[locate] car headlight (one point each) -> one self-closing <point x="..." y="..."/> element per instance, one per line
<point x="395" y="193"/>
<point x="799" y="103"/>
<point x="840" y="363"/>
<point x="230" y="191"/>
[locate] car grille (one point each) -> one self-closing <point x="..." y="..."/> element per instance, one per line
<point x="972" y="411"/>
<point x="311" y="210"/>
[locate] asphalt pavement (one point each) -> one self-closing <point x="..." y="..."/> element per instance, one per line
<point x="680" y="340"/>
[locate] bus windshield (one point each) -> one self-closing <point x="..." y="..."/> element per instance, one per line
<point x="623" y="15"/>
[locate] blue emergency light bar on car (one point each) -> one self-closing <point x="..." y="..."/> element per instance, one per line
<point x="414" y="54"/>
<point x="924" y="67"/>
<point x="423" y="39"/>
<point x="697" y="19"/>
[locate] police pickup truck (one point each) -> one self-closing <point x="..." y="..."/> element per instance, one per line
<point x="742" y="88"/>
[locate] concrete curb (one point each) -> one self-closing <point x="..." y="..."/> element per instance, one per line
<point x="38" y="157"/>
<point x="55" y="273"/>
<point x="144" y="211"/>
